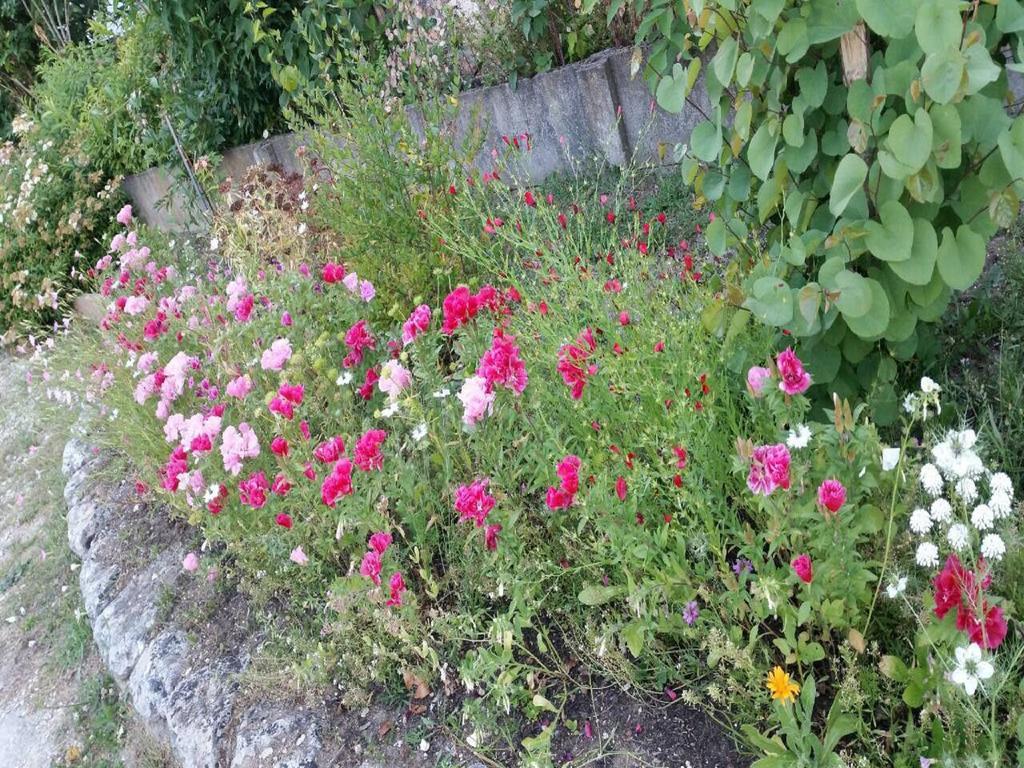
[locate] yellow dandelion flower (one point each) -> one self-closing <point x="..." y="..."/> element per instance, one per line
<point x="781" y="685"/>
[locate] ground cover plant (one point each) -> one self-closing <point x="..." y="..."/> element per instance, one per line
<point x="574" y="458"/>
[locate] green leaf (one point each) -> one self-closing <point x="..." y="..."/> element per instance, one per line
<point x="792" y="42"/>
<point x="289" y="78"/>
<point x="771" y="301"/>
<point x="672" y="90"/>
<point x="872" y="324"/>
<point x="892" y="239"/>
<point x="633" y="634"/>
<point x="888" y="18"/>
<point x="908" y="145"/>
<point x="1010" y="18"/>
<point x="854" y="298"/>
<point x="761" y="152"/>
<point x="943" y="74"/>
<point x="724" y="61"/>
<point x="961" y="259"/>
<point x="597" y="594"/>
<point x="938" y="25"/>
<point x="918" y="269"/>
<point x="946" y="135"/>
<point x="813" y="84"/>
<point x="849" y="176"/>
<point x="981" y="70"/>
<point x="706" y="141"/>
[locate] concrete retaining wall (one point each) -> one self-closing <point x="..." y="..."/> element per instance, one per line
<point x="592" y="109"/>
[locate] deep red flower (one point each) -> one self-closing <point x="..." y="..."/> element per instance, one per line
<point x="620" y="488"/>
<point x="367" y="455"/>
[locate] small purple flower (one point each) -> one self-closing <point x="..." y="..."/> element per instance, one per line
<point x="691" y="612"/>
<point x="742" y="565"/>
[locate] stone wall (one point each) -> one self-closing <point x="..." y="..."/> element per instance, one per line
<point x="593" y="109"/>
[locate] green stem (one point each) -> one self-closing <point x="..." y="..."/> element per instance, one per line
<point x="889" y="532"/>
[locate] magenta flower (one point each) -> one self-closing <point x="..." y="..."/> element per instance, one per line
<point x="795" y="380"/>
<point x="418" y="322"/>
<point x="831" y="495"/>
<point x="769" y="469"/>
<point x="801" y="565"/>
<point x="501" y="364"/>
<point x="473" y="502"/>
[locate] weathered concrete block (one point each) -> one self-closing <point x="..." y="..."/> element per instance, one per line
<point x="270" y="739"/>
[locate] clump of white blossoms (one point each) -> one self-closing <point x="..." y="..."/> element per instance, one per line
<point x="968" y="501"/>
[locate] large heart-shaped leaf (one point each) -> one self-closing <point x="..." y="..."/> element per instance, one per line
<point x="849" y="176"/>
<point x="761" y="151"/>
<point x="706" y="141"/>
<point x="918" y="269"/>
<point x="938" y="25"/>
<point x="907" y="145"/>
<point x="946" y="136"/>
<point x="854" y="298"/>
<point x="961" y="259"/>
<point x="872" y="324"/>
<point x="889" y="19"/>
<point x="771" y="301"/>
<point x="893" y="238"/>
<point x="943" y="74"/>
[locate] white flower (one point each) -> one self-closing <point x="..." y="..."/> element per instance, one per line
<point x="931" y="479"/>
<point x="214" y="243"/>
<point x="890" y="458"/>
<point x="941" y="510"/>
<point x="896" y="587"/>
<point x="955" y="457"/>
<point x="929" y="386"/>
<point x="799" y="437"/>
<point x="390" y="410"/>
<point x="419" y="432"/>
<point x="970" y="668"/>
<point x="442" y="393"/>
<point x="982" y="517"/>
<point x="1001" y="504"/>
<point x="967" y="490"/>
<point x="910" y="402"/>
<point x="1000" y="483"/>
<point x="992" y="547"/>
<point x="958" y="536"/>
<point x="920" y="522"/>
<point x="927" y="555"/>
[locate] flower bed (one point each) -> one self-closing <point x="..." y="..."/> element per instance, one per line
<point x="578" y="460"/>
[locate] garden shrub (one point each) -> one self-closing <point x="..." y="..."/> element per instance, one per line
<point x="870" y="147"/>
<point x="560" y="461"/>
<point x="380" y="180"/>
<point x="56" y="212"/>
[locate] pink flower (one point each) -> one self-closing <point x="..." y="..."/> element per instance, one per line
<point x="476" y="400"/>
<point x="574" y="365"/>
<point x="135" y="305"/>
<point x="397" y="587"/>
<point x="459" y="307"/>
<point x="491" y="536"/>
<point x="282" y="407"/>
<point x="338" y="483"/>
<point x="351" y="282"/>
<point x="299" y="557"/>
<point x="802" y="568"/>
<point x="330" y="451"/>
<point x="358" y="339"/>
<point x="293" y="393"/>
<point x="238" y="445"/>
<point x="380" y="541"/>
<point x="568" y="471"/>
<point x="831" y="495"/>
<point x="472" y="501"/>
<point x="366" y="390"/>
<point x="769" y="469"/>
<point x="367" y="455"/>
<point x="418" y="322"/>
<point x="501" y="364"/>
<point x="124" y="216"/>
<point x="281" y="485"/>
<point x="366" y="290"/>
<point x="286" y="319"/>
<point x="620" y="488"/>
<point x="279" y="446"/>
<point x="794" y="379"/>
<point x="284" y="520"/>
<point x="332" y="273"/>
<point x="370" y="566"/>
<point x="273" y="359"/>
<point x="394" y="378"/>
<point x="191" y="561"/>
<point x="757" y="378"/>
<point x="624" y="318"/>
<point x="239" y="387"/>
<point x="253" y="491"/>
